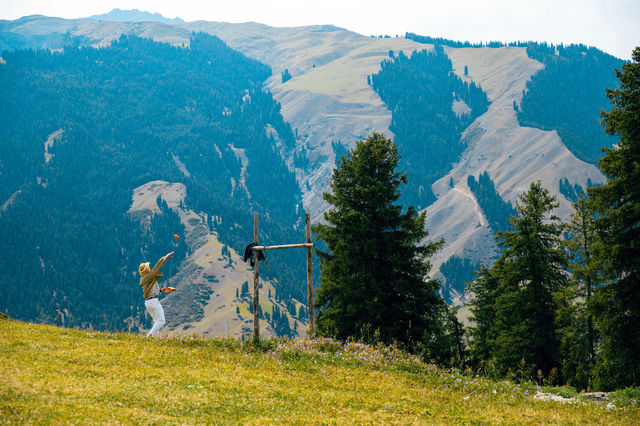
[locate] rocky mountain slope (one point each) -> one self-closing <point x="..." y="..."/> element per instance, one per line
<point x="210" y="301"/>
<point x="92" y="185"/>
<point x="512" y="155"/>
<point x="329" y="103"/>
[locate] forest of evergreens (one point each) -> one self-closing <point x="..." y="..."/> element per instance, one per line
<point x="496" y="210"/>
<point x="458" y="273"/>
<point x="125" y="111"/>
<point x="419" y="91"/>
<point x="562" y="302"/>
<point x="560" y="305"/>
<point x="566" y="96"/>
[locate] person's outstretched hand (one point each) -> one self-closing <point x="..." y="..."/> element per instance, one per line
<point x="168" y="255"/>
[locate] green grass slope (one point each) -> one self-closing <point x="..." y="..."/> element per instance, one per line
<point x="55" y="375"/>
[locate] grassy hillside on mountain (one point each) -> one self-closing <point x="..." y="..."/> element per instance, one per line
<point x="134" y="15"/>
<point x="56" y="375"/>
<point x="330" y="104"/>
<point x="83" y="127"/>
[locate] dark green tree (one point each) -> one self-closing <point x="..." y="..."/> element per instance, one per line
<point x="452" y="349"/>
<point x="483" y="308"/>
<point x="374" y="283"/>
<point x="493" y="206"/>
<point x="286" y="76"/>
<point x="617" y="205"/>
<point x="575" y="315"/>
<point x="534" y="268"/>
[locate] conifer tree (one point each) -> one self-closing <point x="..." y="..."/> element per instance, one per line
<point x="453" y="348"/>
<point x="519" y="330"/>
<point x="575" y="313"/>
<point x="374" y="282"/>
<point x="617" y="205"/>
<point x="483" y="308"/>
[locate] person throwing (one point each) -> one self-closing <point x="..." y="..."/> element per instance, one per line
<point x="151" y="289"/>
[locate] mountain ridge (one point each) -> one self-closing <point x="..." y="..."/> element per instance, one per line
<point x="330" y="104"/>
<point x="134" y="15"/>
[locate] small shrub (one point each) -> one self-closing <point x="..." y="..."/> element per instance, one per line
<point x="626" y="397"/>
<point x="563" y="391"/>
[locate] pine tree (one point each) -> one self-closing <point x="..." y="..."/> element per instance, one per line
<point x="533" y="269"/>
<point x="575" y="314"/>
<point x="284" y="329"/>
<point x="483" y="308"/>
<point x="617" y="205"/>
<point x="291" y="307"/>
<point x="453" y="348"/>
<point x="374" y="282"/>
<point x="286" y="76"/>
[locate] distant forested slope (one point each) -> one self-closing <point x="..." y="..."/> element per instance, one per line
<point x="125" y="112"/>
<point x="460" y="271"/>
<point x="496" y="210"/>
<point x="457" y="273"/>
<point x="420" y="92"/>
<point x="568" y="95"/>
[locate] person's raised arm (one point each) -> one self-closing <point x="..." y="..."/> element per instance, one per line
<point x="160" y="263"/>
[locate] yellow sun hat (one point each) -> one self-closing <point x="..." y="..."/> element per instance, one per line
<point x="144" y="268"/>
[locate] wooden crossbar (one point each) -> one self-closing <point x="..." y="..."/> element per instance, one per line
<point x="283" y="246"/>
<point x="256" y="279"/>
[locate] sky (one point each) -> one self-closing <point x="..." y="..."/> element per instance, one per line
<point x="610" y="25"/>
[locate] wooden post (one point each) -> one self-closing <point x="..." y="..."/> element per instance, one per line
<point x="310" y="276"/>
<point x="57" y="317"/>
<point x="256" y="283"/>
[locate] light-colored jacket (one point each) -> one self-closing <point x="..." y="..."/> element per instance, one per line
<point x="149" y="281"/>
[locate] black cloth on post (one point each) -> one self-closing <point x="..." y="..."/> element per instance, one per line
<point x="248" y="254"/>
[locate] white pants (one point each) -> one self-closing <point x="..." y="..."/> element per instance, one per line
<point x="157" y="313"/>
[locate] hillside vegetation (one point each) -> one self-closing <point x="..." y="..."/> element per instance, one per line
<point x="421" y="90"/>
<point x="55" y="375"/>
<point x="102" y="122"/>
<point x="567" y="95"/>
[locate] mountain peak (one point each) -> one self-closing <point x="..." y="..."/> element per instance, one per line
<point x="135" y="15"/>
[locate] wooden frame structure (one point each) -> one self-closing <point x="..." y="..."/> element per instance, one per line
<point x="256" y="271"/>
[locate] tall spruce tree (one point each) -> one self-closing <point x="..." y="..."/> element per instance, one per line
<point x="483" y="309"/>
<point x="520" y="329"/>
<point x="617" y="206"/>
<point x="453" y="347"/>
<point x="374" y="283"/>
<point x="575" y="315"/>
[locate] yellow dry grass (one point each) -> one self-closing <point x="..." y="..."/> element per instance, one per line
<point x="54" y="375"/>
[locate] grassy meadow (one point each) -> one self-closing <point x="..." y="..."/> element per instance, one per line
<point x="57" y="375"/>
